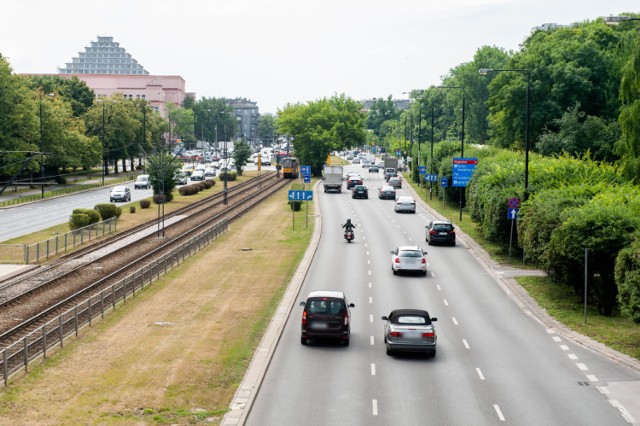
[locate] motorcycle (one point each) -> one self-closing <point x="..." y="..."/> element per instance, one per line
<point x="348" y="235"/>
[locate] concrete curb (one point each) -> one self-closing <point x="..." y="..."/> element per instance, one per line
<point x="245" y="394"/>
<point x="525" y="302"/>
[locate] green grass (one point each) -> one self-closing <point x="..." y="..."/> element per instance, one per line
<point x="563" y="304"/>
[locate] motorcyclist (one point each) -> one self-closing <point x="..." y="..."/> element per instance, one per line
<point x="348" y="226"/>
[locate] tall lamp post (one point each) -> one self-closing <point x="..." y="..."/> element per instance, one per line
<point x="42" y="147"/>
<point x="461" y="136"/>
<point x="433" y="110"/>
<point x="485" y="71"/>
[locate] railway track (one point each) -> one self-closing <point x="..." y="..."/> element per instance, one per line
<point x="28" y="304"/>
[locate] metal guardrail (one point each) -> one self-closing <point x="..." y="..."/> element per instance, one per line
<point x="43" y="250"/>
<point x="19" y="355"/>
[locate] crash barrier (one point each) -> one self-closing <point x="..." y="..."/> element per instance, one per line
<point x="35" y="346"/>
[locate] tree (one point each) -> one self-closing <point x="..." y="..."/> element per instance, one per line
<point x="321" y="127"/>
<point x="181" y="124"/>
<point x="162" y="170"/>
<point x="382" y="110"/>
<point x="267" y="128"/>
<point x="627" y="272"/>
<point x="579" y="134"/>
<point x="629" y="144"/>
<point x="241" y="153"/>
<point x="73" y="90"/>
<point x="567" y="66"/>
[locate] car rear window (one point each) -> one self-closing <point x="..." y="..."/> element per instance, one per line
<point x="410" y="253"/>
<point x="413" y="319"/>
<point x="442" y="227"/>
<point x="325" y="306"/>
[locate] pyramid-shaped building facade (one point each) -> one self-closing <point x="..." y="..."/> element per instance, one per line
<point x="103" y="57"/>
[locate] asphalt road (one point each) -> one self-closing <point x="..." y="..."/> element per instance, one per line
<point x="495" y="362"/>
<point x="24" y="219"/>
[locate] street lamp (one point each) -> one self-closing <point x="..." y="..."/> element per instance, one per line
<point x="461" y="135"/>
<point x="42" y="147"/>
<point x="485" y="71"/>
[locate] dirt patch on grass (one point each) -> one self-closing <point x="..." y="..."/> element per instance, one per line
<point x="176" y="353"/>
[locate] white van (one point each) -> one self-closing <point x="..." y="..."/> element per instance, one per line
<point x="143" y="181"/>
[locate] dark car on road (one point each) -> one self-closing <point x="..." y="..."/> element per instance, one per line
<point x="374" y="169"/>
<point x="326" y="314"/>
<point x="440" y="231"/>
<point x="353" y="181"/>
<point x="410" y="330"/>
<point x="387" y="192"/>
<point x="395" y="181"/>
<point x="360" y="191"/>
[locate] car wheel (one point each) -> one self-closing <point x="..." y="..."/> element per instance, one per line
<point x="429" y="241"/>
<point x="424" y="273"/>
<point x="389" y="351"/>
<point x="433" y="354"/>
<point x="303" y="340"/>
<point x="346" y="342"/>
<point x="385" y="339"/>
<point x="394" y="271"/>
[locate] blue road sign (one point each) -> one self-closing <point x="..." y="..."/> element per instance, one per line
<point x="305" y="170"/>
<point x="297" y="195"/>
<point x="512" y="214"/>
<point x="423" y="170"/>
<point x="307" y="178"/>
<point x="444" y="182"/>
<point x="463" y="169"/>
<point x="431" y="177"/>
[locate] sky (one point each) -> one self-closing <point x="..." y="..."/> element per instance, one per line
<point x="276" y="52"/>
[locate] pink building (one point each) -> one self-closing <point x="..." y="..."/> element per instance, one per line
<point x="156" y="89"/>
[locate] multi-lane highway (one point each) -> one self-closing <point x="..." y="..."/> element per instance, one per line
<point x="495" y="363"/>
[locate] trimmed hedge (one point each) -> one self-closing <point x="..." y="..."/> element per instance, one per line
<point x="94" y="215"/>
<point x="230" y="176"/>
<point x="107" y="211"/>
<point x="79" y="220"/>
<point x="144" y="204"/>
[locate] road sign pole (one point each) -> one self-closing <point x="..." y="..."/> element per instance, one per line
<point x="511" y="239"/>
<point x="306" y="218"/>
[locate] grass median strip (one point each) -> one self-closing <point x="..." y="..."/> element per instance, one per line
<point x="178" y="351"/>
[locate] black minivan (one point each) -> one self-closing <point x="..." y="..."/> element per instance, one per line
<point x="326" y="314"/>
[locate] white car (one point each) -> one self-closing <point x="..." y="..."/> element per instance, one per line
<point x="197" y="175"/>
<point x="209" y="172"/>
<point x="120" y="193"/>
<point x="142" y="181"/>
<point x="408" y="259"/>
<point x="405" y="203"/>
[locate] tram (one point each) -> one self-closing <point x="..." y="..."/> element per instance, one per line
<point x="290" y="167"/>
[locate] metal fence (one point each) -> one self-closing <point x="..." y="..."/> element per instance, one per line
<point x="19" y="355"/>
<point x="43" y="250"/>
<point x="64" y="190"/>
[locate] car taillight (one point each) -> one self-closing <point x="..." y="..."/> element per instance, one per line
<point x="424" y="260"/>
<point x="397" y="260"/>
<point x="304" y="317"/>
<point x="432" y="232"/>
<point x="395" y="334"/>
<point x="453" y="231"/>
<point x="429" y="334"/>
<point x="346" y="318"/>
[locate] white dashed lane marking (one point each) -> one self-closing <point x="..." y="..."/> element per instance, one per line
<point x="480" y="374"/>
<point x="499" y="412"/>
<point x="465" y="343"/>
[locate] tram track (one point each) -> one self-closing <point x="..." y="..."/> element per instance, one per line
<point x="37" y="298"/>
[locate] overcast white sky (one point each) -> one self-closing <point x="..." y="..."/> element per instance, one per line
<point x="276" y="52"/>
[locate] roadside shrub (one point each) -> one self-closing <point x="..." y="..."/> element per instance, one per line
<point x="628" y="280"/>
<point x="132" y="209"/>
<point x="118" y="211"/>
<point x="190" y="189"/>
<point x="208" y="183"/>
<point x="144" y="204"/>
<point x="295" y="205"/>
<point x="230" y="176"/>
<point x="159" y="198"/>
<point x="79" y="220"/>
<point x="107" y="211"/>
<point x="94" y="215"/>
